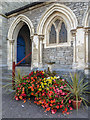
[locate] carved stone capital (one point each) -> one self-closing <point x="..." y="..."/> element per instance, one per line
<point x="41" y="37"/>
<point x="87" y="30"/>
<point x="31" y="37"/>
<point x="12" y="41"/>
<point x="73" y="32"/>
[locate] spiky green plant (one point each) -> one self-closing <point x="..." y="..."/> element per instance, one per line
<point x="77" y="88"/>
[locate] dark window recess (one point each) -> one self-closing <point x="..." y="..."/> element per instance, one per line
<point x="63" y="34"/>
<point x="52" y="35"/>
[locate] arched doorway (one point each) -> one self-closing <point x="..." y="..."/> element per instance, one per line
<point x="21" y="23"/>
<point x="24" y="45"/>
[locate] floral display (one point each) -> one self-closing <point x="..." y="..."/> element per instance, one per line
<point x="49" y="92"/>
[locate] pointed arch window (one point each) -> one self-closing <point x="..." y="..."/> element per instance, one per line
<point x="52" y="35"/>
<point x="63" y="34"/>
<point x="58" y="32"/>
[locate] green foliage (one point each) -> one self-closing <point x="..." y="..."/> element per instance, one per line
<point x="77" y="88"/>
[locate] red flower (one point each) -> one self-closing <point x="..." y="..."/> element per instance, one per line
<point x="24" y="95"/>
<point x="71" y="108"/>
<point x="18" y="88"/>
<point x="61" y="106"/>
<point x="65" y="109"/>
<point x="57" y="106"/>
<point x="43" y="94"/>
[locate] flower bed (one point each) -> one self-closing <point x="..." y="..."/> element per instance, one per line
<point x="49" y="92"/>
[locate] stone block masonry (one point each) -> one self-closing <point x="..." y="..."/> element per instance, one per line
<point x="62" y="56"/>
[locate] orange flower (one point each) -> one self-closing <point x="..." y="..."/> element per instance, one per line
<point x="48" y="109"/>
<point x="32" y="93"/>
<point x="51" y="101"/>
<point x="32" y="85"/>
<point x="28" y="98"/>
<point x="63" y="112"/>
<point x="31" y="82"/>
<point x="24" y="101"/>
<point x="20" y="97"/>
<point x="32" y="89"/>
<point x="23" y="92"/>
<point x="29" y="87"/>
<point x="23" y="89"/>
<point x="31" y="78"/>
<point x="35" y="101"/>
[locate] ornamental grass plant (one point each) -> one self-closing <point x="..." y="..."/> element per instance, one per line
<point x="77" y="88"/>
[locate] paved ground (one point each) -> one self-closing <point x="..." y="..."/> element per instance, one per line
<point x="13" y="109"/>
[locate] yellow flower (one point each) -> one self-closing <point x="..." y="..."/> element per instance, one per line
<point x="34" y="72"/>
<point x="43" y="86"/>
<point x="55" y="77"/>
<point x="45" y="83"/>
<point x="47" y="88"/>
<point x="51" y="77"/>
<point x="40" y="89"/>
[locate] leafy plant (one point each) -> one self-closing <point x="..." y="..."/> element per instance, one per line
<point x="77" y="89"/>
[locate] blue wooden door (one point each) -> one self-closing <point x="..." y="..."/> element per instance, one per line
<point x="20" y="49"/>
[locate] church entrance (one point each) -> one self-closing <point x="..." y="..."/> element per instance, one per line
<point x="24" y="45"/>
<point x="20" y="49"/>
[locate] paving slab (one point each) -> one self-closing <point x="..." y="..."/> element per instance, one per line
<point x="17" y="109"/>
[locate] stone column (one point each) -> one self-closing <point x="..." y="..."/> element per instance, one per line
<point x="74" y="48"/>
<point x="35" y="49"/>
<point x="80" y="48"/>
<point x="87" y="51"/>
<point x="12" y="58"/>
<point x="32" y="52"/>
<point x="41" y="37"/>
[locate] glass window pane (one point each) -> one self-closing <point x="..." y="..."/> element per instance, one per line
<point x="63" y="34"/>
<point x="52" y="35"/>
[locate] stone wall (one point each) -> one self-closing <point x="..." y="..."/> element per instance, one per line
<point x="62" y="56"/>
<point x="79" y="9"/>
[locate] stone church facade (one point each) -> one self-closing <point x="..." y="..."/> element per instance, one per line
<point x="53" y="31"/>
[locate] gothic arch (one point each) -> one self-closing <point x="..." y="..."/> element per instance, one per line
<point x="63" y="11"/>
<point x="54" y="12"/>
<point x="18" y="19"/>
<point x="86" y="18"/>
<point x="12" y="36"/>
